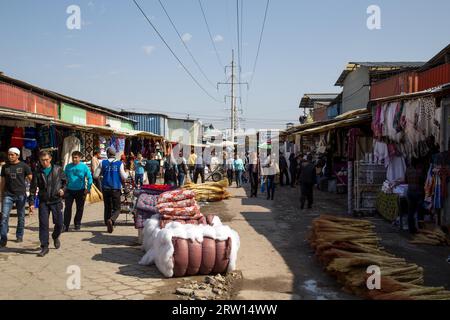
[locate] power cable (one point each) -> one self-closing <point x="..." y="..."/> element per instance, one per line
<point x="260" y="41"/>
<point x="210" y="35"/>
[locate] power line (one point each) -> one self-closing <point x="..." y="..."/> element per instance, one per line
<point x="210" y="35"/>
<point x="185" y="45"/>
<point x="173" y="53"/>
<point x="260" y="41"/>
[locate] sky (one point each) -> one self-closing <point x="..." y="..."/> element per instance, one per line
<point x="117" y="60"/>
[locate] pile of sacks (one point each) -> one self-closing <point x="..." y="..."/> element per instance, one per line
<point x="179" y="206"/>
<point x="180" y="250"/>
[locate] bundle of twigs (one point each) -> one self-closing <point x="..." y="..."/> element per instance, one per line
<point x="347" y="247"/>
<point x="209" y="191"/>
<point x="434" y="237"/>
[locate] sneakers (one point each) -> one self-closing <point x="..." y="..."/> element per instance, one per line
<point x="65" y="229"/>
<point x="110" y="226"/>
<point x="19" y="240"/>
<point x="43" y="252"/>
<point x="57" y="243"/>
<point x="77" y="228"/>
<point x="3" y="243"/>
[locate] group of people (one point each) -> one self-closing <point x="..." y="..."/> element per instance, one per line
<point x="54" y="185"/>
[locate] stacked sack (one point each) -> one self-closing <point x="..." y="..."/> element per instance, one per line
<point x="179" y="206"/>
<point x="180" y="250"/>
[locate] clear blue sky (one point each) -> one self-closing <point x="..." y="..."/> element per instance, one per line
<point x="117" y="60"/>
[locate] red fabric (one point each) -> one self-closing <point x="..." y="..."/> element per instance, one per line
<point x="17" y="138"/>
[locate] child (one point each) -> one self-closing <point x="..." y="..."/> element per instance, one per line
<point x="139" y="166"/>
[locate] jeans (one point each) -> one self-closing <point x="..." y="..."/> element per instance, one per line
<point x="239" y="178"/>
<point x="191" y="172"/>
<point x="44" y="215"/>
<point x="201" y="172"/>
<point x="79" y="197"/>
<point x="270" y="185"/>
<point x="139" y="179"/>
<point x="230" y="177"/>
<point x="8" y="203"/>
<point x="254" y="183"/>
<point x="111" y="201"/>
<point x="181" y="177"/>
<point x="306" y="194"/>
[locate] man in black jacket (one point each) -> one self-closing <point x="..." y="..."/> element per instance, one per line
<point x="307" y="181"/>
<point x="51" y="181"/>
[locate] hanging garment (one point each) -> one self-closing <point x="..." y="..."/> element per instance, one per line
<point x="47" y="137"/>
<point x="436" y="128"/>
<point x="17" y="138"/>
<point x="353" y="135"/>
<point x="425" y="121"/>
<point x="89" y="146"/>
<point x="383" y="120"/>
<point x="70" y="145"/>
<point x="390" y="123"/>
<point x="410" y="125"/>
<point x="30" y="141"/>
<point x="396" y="169"/>
<point x="381" y="153"/>
<point x="376" y="123"/>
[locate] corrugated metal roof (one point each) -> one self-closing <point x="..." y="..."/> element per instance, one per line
<point x="377" y="66"/>
<point x="438" y="59"/>
<point x="309" y="99"/>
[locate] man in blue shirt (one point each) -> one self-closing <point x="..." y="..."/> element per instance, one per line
<point x="77" y="174"/>
<point x="113" y="173"/>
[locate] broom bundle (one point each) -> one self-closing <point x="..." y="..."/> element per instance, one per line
<point x="347" y="247"/>
<point x="95" y="195"/>
<point x="209" y="191"/>
<point x="435" y="237"/>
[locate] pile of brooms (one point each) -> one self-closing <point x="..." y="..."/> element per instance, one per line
<point x="95" y="195"/>
<point x="347" y="247"/>
<point x="209" y="191"/>
<point x="435" y="237"/>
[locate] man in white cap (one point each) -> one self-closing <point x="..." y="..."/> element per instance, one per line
<point x="13" y="189"/>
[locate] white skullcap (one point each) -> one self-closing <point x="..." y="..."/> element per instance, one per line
<point x="14" y="150"/>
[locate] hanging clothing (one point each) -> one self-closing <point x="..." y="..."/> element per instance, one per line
<point x="17" y="138"/>
<point x="70" y="145"/>
<point x="353" y="135"/>
<point x="381" y="153"/>
<point x="396" y="169"/>
<point x="425" y="121"/>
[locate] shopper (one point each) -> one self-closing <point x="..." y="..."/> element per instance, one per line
<point x="95" y="162"/>
<point x="293" y="169"/>
<point x="307" y="181"/>
<point x="239" y="170"/>
<point x="191" y="164"/>
<point x="139" y="169"/>
<point x="283" y="170"/>
<point x="51" y="181"/>
<point x="415" y="178"/>
<point x="79" y="183"/>
<point x="113" y="176"/>
<point x="13" y="190"/>
<point x="270" y="171"/>
<point x="152" y="168"/>
<point x="182" y="169"/>
<point x="253" y="174"/>
<point x="199" y="169"/>
<point x="170" y="170"/>
<point x="230" y="168"/>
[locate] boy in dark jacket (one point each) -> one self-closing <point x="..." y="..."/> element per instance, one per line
<point x="307" y="181"/>
<point x="51" y="181"/>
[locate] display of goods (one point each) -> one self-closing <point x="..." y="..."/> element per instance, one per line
<point x="348" y="247"/>
<point x="141" y="216"/>
<point x="178" y="204"/>
<point x="95" y="195"/>
<point x="158" y="187"/>
<point x="435" y="237"/>
<point x="181" y="250"/>
<point x="209" y="191"/>
<point x="147" y="202"/>
<point x="187" y="211"/>
<point x="176" y="195"/>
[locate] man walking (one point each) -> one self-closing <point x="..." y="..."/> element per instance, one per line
<point x="283" y="170"/>
<point x="152" y="168"/>
<point x="94" y="165"/>
<point x="307" y="181"/>
<point x="77" y="174"/>
<point x="13" y="189"/>
<point x="199" y="169"/>
<point x="253" y="173"/>
<point x="114" y="175"/>
<point x="239" y="170"/>
<point x="293" y="169"/>
<point x="51" y="181"/>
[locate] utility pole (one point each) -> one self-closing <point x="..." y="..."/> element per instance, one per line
<point x="234" y="115"/>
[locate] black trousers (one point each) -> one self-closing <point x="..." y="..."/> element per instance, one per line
<point x="200" y="172"/>
<point x="151" y="178"/>
<point x="284" y="173"/>
<point x="230" y="176"/>
<point x="44" y="217"/>
<point x="111" y="201"/>
<point x="98" y="184"/>
<point x="270" y="186"/>
<point x="254" y="183"/>
<point x="415" y="202"/>
<point x="306" y="194"/>
<point x="293" y="176"/>
<point x="79" y="197"/>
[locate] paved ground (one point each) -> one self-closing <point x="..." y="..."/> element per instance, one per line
<point x="275" y="259"/>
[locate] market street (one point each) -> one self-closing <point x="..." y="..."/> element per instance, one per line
<point x="275" y="259"/>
